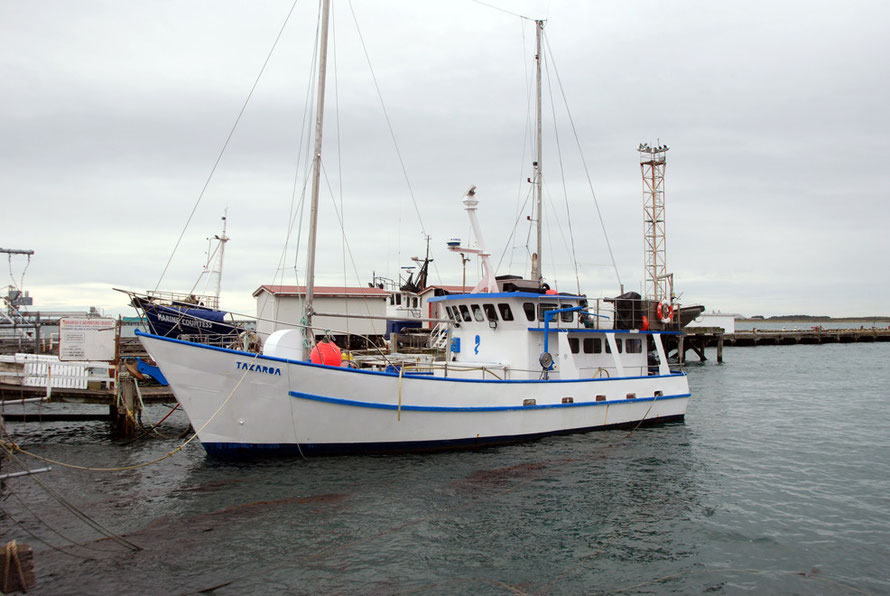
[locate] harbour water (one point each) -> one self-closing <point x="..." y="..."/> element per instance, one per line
<point x="777" y="482"/>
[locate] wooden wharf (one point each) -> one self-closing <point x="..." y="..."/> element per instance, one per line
<point x="698" y="338"/>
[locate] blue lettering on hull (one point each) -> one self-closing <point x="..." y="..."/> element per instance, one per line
<point x="260" y="368"/>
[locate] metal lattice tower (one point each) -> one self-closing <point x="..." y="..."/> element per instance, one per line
<point x="659" y="283"/>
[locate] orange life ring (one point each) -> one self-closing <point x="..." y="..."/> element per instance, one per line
<point x="665" y="311"/>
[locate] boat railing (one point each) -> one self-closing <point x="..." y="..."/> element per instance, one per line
<point x="184" y="299"/>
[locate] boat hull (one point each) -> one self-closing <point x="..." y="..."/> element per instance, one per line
<point x="247" y="404"/>
<point x="194" y="321"/>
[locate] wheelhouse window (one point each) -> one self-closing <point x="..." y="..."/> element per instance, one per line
<point x="398" y="299"/>
<point x="544" y="307"/>
<point x="529" y="308"/>
<point x="567" y="317"/>
<point x="477" y="312"/>
<point x="506" y="311"/>
<point x="574" y="344"/>
<point x="465" y="313"/>
<point x="618" y="342"/>
<point x="633" y="346"/>
<point x="490" y="312"/>
<point x="593" y="345"/>
<point x="453" y="314"/>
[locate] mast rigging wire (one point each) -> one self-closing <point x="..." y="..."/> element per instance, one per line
<point x="514" y="14"/>
<point x="584" y="162"/>
<point x="297" y="208"/>
<point x="562" y="173"/>
<point x="226" y="143"/>
<point x="389" y="126"/>
<point x="526" y="135"/>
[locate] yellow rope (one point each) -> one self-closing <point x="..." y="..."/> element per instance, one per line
<point x="12" y="554"/>
<point x="401" y="370"/>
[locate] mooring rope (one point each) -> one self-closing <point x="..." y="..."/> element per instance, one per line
<point x="76" y="510"/>
<point x="51" y="529"/>
<point x="12" y="554"/>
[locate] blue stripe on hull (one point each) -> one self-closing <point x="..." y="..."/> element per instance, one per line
<point x="251" y="450"/>
<point x="380" y="406"/>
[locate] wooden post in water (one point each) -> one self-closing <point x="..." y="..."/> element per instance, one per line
<point x="18" y="566"/>
<point x="126" y="408"/>
<point x="720" y="348"/>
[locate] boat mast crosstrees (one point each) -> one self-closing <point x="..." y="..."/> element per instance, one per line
<point x="522" y="362"/>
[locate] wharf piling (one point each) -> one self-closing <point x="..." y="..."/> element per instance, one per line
<point x="695" y="339"/>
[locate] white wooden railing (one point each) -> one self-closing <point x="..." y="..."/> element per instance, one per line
<point x="48" y="371"/>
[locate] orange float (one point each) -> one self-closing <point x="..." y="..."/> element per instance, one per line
<point x="326" y="353"/>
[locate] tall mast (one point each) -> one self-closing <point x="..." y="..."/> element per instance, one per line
<point x="536" y="258"/>
<point x="316" y="175"/>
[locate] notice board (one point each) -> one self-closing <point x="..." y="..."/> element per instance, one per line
<point x="87" y="339"/>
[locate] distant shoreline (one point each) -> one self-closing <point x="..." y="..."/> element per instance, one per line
<point x="810" y="318"/>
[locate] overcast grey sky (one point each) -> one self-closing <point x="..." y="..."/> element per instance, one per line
<point x="113" y="113"/>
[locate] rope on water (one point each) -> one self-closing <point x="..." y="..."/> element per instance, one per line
<point x="51" y="529"/>
<point x="59" y="498"/>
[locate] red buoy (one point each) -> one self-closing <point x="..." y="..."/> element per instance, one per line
<point x="326" y="353"/>
<point x="645" y="323"/>
<point x="551" y="292"/>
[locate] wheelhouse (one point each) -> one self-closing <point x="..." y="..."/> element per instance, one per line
<point x="525" y="335"/>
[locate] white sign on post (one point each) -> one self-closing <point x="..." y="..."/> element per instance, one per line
<point x="87" y="339"/>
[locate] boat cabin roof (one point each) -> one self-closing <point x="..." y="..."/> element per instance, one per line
<point x="503" y="295"/>
<point x="324" y="291"/>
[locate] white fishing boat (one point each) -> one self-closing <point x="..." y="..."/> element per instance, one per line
<point x="522" y="362"/>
